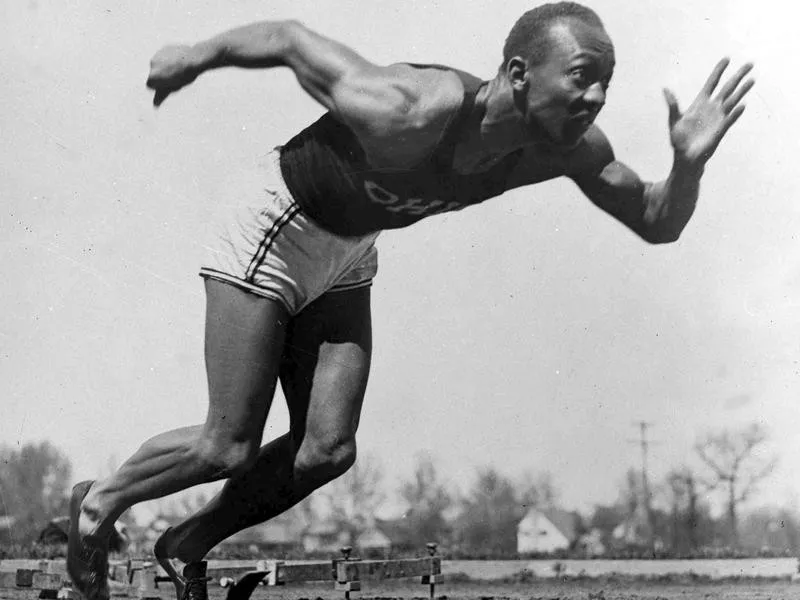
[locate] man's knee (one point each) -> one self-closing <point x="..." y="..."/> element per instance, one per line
<point x="324" y="461"/>
<point x="226" y="458"/>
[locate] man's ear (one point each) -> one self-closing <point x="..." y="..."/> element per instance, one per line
<point x="517" y="73"/>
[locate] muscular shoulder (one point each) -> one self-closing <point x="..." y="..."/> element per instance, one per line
<point x="592" y="154"/>
<point x="419" y="95"/>
<point x="417" y="104"/>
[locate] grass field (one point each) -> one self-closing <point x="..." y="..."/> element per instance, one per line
<point x="487" y="580"/>
<point x="580" y="589"/>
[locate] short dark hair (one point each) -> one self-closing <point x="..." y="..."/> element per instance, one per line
<point x="530" y="35"/>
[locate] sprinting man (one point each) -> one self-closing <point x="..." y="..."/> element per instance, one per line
<point x="288" y="288"/>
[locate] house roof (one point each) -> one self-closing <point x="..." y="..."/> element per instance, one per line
<point x="373" y="538"/>
<point x="565" y="522"/>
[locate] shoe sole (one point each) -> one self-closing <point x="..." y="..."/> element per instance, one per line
<point x="79" y="492"/>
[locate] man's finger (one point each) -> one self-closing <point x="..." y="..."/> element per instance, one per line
<point x="734" y="81"/>
<point x="736" y="97"/>
<point x="732" y="118"/>
<point x="159" y="97"/>
<point x="716" y="74"/>
<point x="672" y="105"/>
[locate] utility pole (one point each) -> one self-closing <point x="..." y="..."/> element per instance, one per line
<point x="644" y="444"/>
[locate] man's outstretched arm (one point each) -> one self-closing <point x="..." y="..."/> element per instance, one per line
<point x="658" y="212"/>
<point x="364" y="95"/>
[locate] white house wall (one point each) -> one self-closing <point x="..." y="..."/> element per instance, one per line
<point x="537" y="534"/>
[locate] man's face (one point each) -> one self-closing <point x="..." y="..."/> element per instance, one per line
<point x="565" y="92"/>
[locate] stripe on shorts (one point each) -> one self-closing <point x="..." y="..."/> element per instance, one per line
<point x="269" y="237"/>
<point x="344" y="287"/>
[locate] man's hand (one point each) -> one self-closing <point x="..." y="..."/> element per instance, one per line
<point x="172" y="68"/>
<point x="696" y="133"/>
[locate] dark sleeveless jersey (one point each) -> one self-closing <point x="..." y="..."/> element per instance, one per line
<point x="326" y="170"/>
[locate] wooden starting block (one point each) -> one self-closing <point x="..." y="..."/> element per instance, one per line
<point x="47" y="584"/>
<point x="138" y="582"/>
<point x="140" y="579"/>
<point x="351" y="572"/>
<point x="347" y="573"/>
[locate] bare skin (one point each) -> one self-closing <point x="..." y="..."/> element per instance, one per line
<point x="323" y="368"/>
<point x="322" y="356"/>
<point x="323" y="374"/>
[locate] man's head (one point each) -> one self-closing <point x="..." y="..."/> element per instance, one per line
<point x="559" y="61"/>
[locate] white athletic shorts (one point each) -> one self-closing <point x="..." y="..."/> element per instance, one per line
<point x="271" y="248"/>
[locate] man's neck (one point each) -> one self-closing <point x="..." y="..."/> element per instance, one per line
<point x="496" y="128"/>
<point x="501" y="127"/>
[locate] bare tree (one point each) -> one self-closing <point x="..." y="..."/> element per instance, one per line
<point x="427" y="500"/>
<point x="685" y="489"/>
<point x="305" y="512"/>
<point x="354" y="498"/>
<point x="490" y="513"/>
<point x="736" y="468"/>
<point x="33" y="488"/>
<point x="538" y="490"/>
<point x="636" y="527"/>
<point x="630" y="492"/>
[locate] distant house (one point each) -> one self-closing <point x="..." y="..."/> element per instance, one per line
<point x="373" y="542"/>
<point x="547" y="530"/>
<point x="328" y="537"/>
<point x="325" y="536"/>
<point x="274" y="535"/>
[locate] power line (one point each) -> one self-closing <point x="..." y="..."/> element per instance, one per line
<point x="644" y="444"/>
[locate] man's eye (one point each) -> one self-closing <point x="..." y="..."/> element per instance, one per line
<point x="580" y="76"/>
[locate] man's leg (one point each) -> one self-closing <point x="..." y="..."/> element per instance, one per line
<point x="243" y="344"/>
<point x="324" y="374"/>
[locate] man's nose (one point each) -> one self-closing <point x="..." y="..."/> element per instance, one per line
<point x="595" y="94"/>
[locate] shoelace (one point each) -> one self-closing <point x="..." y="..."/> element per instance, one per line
<point x="95" y="559"/>
<point x="196" y="588"/>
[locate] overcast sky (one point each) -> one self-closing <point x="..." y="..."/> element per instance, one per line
<point x="530" y="333"/>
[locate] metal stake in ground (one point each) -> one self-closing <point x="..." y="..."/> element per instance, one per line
<point x="347" y="580"/>
<point x="435" y="576"/>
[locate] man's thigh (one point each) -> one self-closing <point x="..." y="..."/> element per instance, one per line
<point x="325" y="365"/>
<point x="244" y="338"/>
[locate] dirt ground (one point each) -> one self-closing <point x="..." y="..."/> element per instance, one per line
<point x="548" y="590"/>
<point x="537" y="590"/>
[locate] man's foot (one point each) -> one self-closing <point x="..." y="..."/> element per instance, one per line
<point x="193" y="584"/>
<point x="87" y="556"/>
<point x="195" y="581"/>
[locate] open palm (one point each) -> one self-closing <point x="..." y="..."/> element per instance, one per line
<point x="696" y="132"/>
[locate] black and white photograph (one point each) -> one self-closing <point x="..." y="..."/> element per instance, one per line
<point x="399" y="300"/>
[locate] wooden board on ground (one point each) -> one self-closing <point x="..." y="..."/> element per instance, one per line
<point x="31" y="579"/>
<point x="381" y="569"/>
<point x="291" y="573"/>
